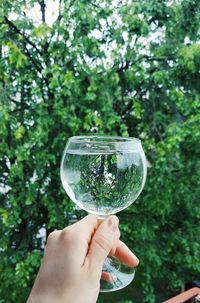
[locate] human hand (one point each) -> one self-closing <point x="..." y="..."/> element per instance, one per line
<point x="72" y="265"/>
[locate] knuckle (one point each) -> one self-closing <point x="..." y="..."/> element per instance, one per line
<point x="52" y="236"/>
<point x="66" y="235"/>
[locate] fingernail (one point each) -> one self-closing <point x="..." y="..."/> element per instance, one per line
<point x="113" y="223"/>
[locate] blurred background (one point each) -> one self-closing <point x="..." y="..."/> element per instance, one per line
<point x="106" y="67"/>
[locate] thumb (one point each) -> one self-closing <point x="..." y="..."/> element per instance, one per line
<point x="102" y="242"/>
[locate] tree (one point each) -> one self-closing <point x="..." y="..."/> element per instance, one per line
<point x="125" y="68"/>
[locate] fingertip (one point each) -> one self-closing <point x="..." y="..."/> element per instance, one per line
<point x="125" y="255"/>
<point x="132" y="261"/>
<point x="137" y="261"/>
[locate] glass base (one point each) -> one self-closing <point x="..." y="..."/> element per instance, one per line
<point x="115" y="275"/>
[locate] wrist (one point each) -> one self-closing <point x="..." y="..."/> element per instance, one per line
<point x="39" y="298"/>
<point x="38" y="295"/>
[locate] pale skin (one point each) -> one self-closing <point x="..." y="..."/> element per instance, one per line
<point x="72" y="265"/>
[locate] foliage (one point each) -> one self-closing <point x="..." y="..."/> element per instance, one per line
<point x="108" y="67"/>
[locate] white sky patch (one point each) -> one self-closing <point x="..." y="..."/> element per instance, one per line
<point x="103" y="23"/>
<point x="34" y="13"/>
<point x="187" y="40"/>
<point x="125" y="36"/>
<point x="96" y="33"/>
<point x="42" y="235"/>
<point x="4" y="189"/>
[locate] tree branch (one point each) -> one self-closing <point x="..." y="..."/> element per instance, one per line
<point x="38" y="68"/>
<point x="17" y="31"/>
<point x="43" y="9"/>
<point x="59" y="14"/>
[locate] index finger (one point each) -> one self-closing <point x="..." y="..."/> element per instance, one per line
<point x="86" y="227"/>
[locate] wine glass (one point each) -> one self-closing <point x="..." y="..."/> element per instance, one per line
<point x="104" y="175"/>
